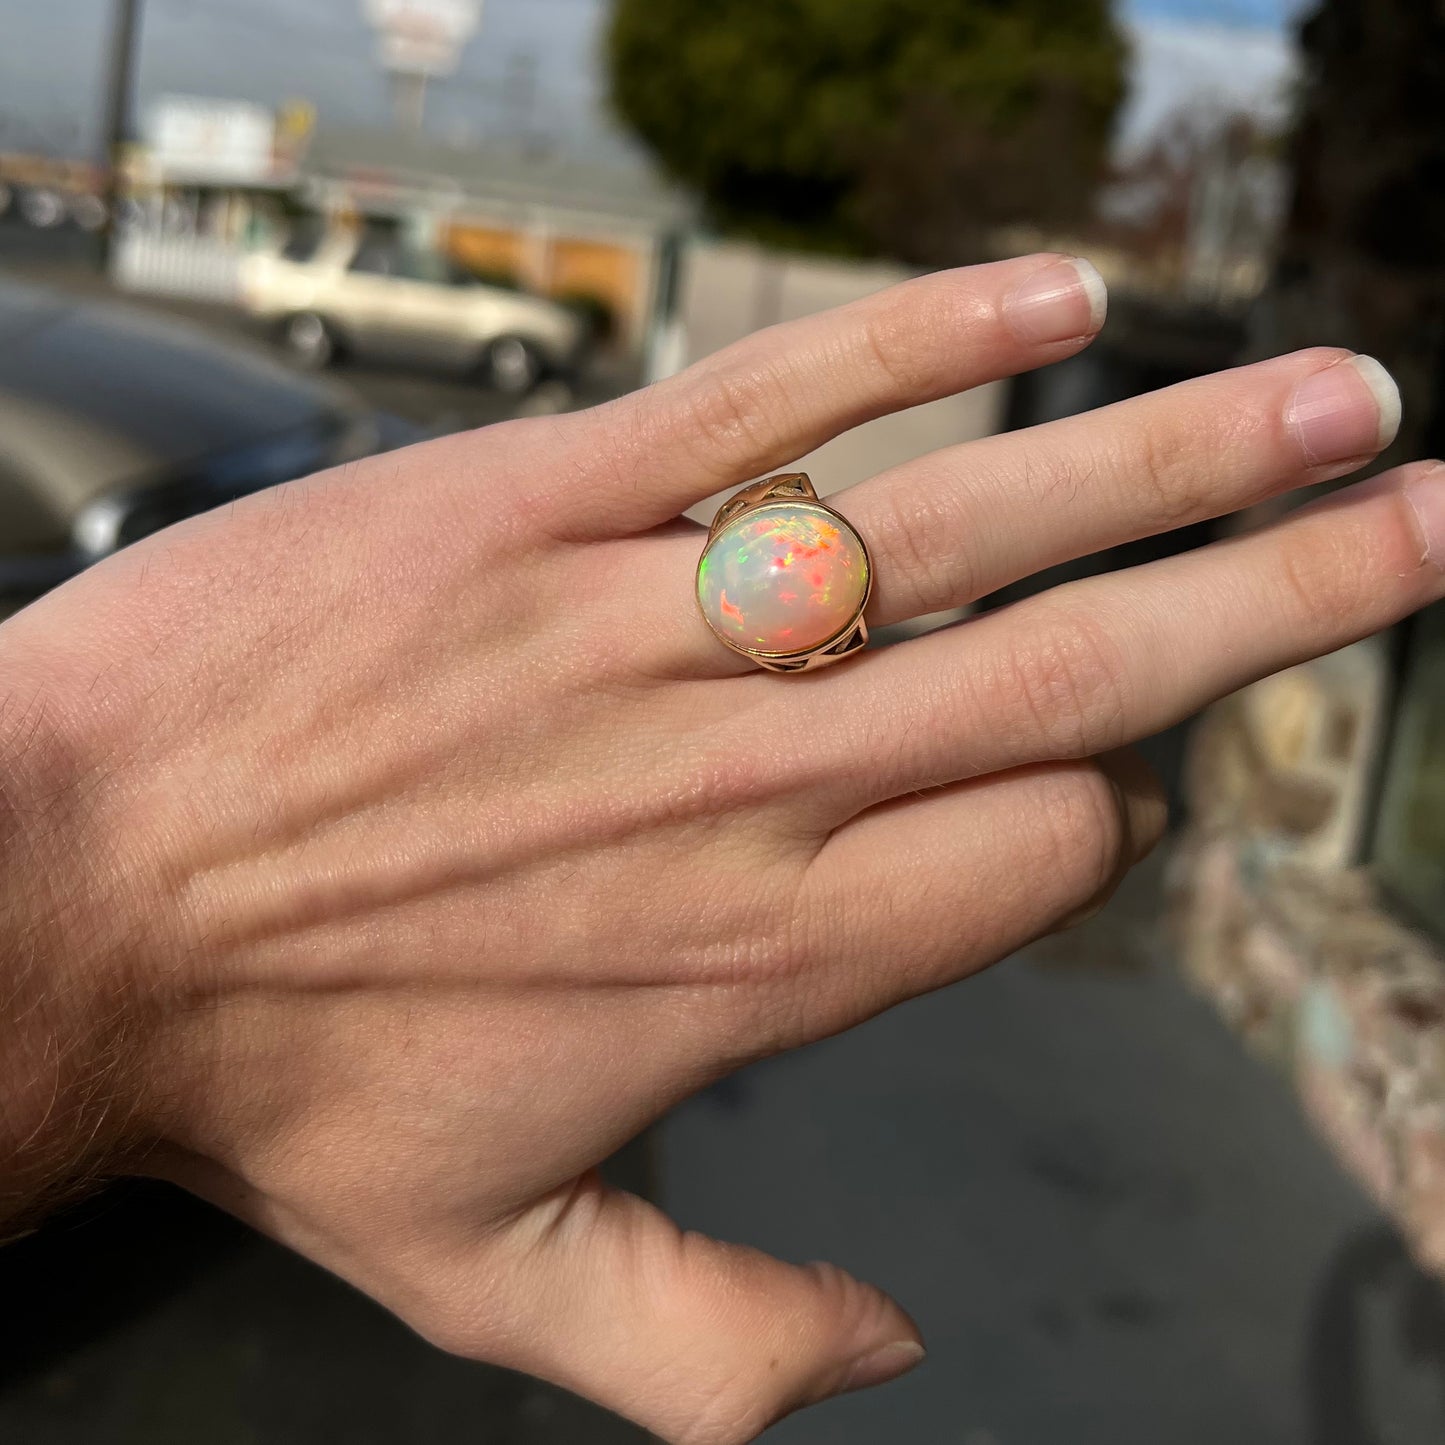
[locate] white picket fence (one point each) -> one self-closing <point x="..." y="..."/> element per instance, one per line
<point x="200" y="268"/>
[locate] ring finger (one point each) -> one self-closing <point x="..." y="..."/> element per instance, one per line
<point x="1102" y="662"/>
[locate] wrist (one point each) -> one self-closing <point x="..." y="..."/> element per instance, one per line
<point x="66" y="1016"/>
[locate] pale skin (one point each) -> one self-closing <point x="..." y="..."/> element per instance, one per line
<point x="379" y="854"/>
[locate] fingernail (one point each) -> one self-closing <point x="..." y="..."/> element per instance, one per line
<point x="881" y="1365"/>
<point x="1349" y="410"/>
<point x="1063" y="302"/>
<point x="1426" y="494"/>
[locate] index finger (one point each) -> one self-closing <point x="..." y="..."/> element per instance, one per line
<point x="775" y="395"/>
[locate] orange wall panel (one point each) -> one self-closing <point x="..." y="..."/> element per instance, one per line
<point x="484" y="248"/>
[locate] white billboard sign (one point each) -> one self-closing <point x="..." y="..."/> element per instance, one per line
<point x="422" y="37"/>
<point x="200" y="140"/>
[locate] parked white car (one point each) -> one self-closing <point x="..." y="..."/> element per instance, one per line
<point x="348" y="294"/>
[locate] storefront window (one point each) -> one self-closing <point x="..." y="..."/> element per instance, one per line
<point x="1410" y="843"/>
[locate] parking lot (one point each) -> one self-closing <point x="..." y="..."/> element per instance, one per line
<point x="67" y="260"/>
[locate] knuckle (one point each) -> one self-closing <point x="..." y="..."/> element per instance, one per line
<point x="1151" y="464"/>
<point x="1321" y="579"/>
<point x="1340" y="567"/>
<point x="912" y="333"/>
<point x="723" y="779"/>
<point x="913" y="521"/>
<point x="732" y="418"/>
<point x="776" y="949"/>
<point x="1061" y="685"/>
<point x="770" y="987"/>
<point x="1086" y="837"/>
<point x="888" y="339"/>
<point x="1146" y="463"/>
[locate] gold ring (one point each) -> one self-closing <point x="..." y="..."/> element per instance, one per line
<point x="784" y="578"/>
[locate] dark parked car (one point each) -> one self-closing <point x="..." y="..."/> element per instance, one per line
<point x="114" y="424"/>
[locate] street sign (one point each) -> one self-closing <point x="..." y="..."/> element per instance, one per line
<point x="422" y="37"/>
<point x="206" y="141"/>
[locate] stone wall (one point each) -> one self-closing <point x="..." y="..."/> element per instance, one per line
<point x="1294" y="943"/>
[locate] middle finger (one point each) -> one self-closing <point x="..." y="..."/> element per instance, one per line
<point x="952" y="527"/>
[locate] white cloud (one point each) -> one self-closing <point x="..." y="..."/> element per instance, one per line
<point x="1183" y="65"/>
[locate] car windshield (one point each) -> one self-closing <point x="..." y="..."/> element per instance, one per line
<point x="424" y="266"/>
<point x="303" y="243"/>
<point x="411" y="263"/>
<point x="432" y="267"/>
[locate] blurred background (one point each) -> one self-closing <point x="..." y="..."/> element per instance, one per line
<point x="1175" y="1176"/>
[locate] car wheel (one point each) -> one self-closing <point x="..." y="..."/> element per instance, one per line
<point x="89" y="213"/>
<point x="513" y="366"/>
<point x="42" y="209"/>
<point x="309" y="340"/>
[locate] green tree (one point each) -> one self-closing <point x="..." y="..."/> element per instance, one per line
<point x="904" y="126"/>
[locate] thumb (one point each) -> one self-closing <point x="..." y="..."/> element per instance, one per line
<point x="702" y="1343"/>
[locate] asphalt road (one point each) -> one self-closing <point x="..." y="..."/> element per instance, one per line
<point x="1111" y="1222"/>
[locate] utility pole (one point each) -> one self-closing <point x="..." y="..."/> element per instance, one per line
<point x="519" y="99"/>
<point x="119" y="87"/>
<point x="408" y="99"/>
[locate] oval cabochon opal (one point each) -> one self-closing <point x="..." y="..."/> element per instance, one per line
<point x="786" y="577"/>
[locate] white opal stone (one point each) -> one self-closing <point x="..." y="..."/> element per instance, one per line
<point x="786" y="577"/>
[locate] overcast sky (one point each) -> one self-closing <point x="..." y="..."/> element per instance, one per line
<point x="1224" y="52"/>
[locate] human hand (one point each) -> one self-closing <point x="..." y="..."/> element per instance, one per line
<point x="384" y="851"/>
